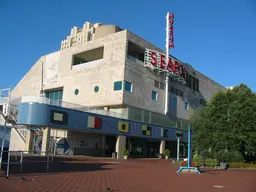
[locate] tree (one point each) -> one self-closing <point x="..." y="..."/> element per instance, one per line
<point x="228" y="122"/>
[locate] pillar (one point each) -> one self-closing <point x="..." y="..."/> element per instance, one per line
<point x="162" y="147"/>
<point x="28" y="144"/>
<point x="45" y="140"/>
<point x="120" y="145"/>
<point x="103" y="147"/>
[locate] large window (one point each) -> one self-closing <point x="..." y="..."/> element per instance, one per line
<point x="88" y="56"/>
<point x="127" y="86"/>
<point x="136" y="52"/>
<point x="118" y="85"/>
<point x="54" y="95"/>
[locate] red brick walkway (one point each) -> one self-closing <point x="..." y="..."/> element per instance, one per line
<point x="91" y="175"/>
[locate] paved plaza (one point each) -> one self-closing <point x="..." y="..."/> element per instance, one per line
<point x="133" y="175"/>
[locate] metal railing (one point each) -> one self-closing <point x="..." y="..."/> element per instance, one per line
<point x="21" y="154"/>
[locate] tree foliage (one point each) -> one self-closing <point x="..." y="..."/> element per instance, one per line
<point x="228" y="122"/>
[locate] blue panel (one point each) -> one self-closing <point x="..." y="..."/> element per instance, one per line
<point x="41" y="115"/>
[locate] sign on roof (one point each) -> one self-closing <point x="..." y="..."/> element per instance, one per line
<point x="157" y="62"/>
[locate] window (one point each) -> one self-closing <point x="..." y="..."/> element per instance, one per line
<point x="127" y="86"/>
<point x="161" y="85"/>
<point x="154" y="95"/>
<point x="134" y="51"/>
<point x="186" y="106"/>
<point x="1" y="108"/>
<point x="156" y="84"/>
<point x="76" y="92"/>
<point x="54" y="95"/>
<point x="96" y="89"/>
<point x="117" y="85"/>
<point x="88" y="56"/>
<point x="181" y="93"/>
<point x="174" y="102"/>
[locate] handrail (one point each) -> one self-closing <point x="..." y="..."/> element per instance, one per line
<point x="22" y="160"/>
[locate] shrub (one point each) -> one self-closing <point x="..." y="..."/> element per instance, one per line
<point x="167" y="153"/>
<point x="242" y="165"/>
<point x="125" y="152"/>
<point x="192" y="164"/>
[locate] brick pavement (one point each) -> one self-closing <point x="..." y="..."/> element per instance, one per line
<point x="133" y="175"/>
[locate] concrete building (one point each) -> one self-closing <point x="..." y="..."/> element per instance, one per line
<point x="99" y="70"/>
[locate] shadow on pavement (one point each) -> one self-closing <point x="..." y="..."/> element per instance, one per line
<point x="58" y="165"/>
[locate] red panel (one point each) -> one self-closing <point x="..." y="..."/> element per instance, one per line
<point x="97" y="123"/>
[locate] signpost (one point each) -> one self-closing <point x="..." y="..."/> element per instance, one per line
<point x="188" y="167"/>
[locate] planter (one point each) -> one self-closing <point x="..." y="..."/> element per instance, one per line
<point x="166" y="157"/>
<point x="125" y="156"/>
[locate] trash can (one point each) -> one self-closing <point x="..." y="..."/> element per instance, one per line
<point x="160" y="156"/>
<point x="114" y="155"/>
<point x="223" y="165"/>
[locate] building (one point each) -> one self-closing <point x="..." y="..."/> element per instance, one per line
<point x="99" y="73"/>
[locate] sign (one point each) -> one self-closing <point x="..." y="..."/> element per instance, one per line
<point x="171" y="37"/>
<point x="157" y="61"/>
<point x="179" y="134"/>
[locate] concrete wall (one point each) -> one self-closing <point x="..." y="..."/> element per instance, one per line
<point x="58" y="72"/>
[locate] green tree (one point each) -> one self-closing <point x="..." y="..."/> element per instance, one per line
<point x="227" y="122"/>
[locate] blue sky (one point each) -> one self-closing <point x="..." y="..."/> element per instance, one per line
<point x="218" y="37"/>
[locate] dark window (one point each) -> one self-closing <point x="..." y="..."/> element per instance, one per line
<point x="172" y="90"/>
<point x="1" y="108"/>
<point x="134" y="51"/>
<point x="162" y="86"/>
<point x="174" y="102"/>
<point x="181" y="93"/>
<point x="154" y="95"/>
<point x="118" y="85"/>
<point x="127" y="86"/>
<point x="156" y="84"/>
<point x="177" y="92"/>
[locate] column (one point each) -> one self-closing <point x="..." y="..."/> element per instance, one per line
<point x="162" y="147"/>
<point x="178" y="149"/>
<point x="29" y="142"/>
<point x="120" y="145"/>
<point x="103" y="147"/>
<point x="45" y="140"/>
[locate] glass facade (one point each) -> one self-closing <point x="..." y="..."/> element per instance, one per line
<point x="54" y="95"/>
<point x="155" y="118"/>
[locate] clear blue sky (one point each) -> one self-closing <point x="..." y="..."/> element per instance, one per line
<point x="218" y="37"/>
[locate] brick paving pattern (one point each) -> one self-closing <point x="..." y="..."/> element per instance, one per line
<point x="133" y="175"/>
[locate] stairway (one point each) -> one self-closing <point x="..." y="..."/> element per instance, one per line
<point x="9" y="119"/>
